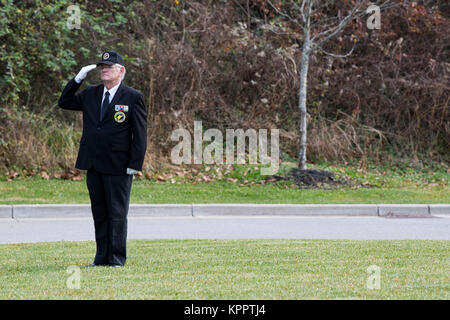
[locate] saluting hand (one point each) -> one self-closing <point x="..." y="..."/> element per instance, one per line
<point x="83" y="72"/>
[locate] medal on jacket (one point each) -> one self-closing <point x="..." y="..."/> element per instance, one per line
<point x="119" y="107"/>
<point x="119" y="117"/>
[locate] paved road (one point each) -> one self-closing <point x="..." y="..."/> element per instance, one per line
<point x="356" y="228"/>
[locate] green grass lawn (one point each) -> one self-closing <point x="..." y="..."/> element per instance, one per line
<point x="230" y="269"/>
<point x="390" y="185"/>
<point x="38" y="191"/>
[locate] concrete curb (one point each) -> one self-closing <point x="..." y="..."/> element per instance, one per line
<point x="284" y="210"/>
<point x="24" y="211"/>
<point x="5" y="211"/>
<point x="160" y="210"/>
<point x="439" y="208"/>
<point x="403" y="210"/>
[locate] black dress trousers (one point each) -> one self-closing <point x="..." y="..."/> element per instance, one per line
<point x="109" y="196"/>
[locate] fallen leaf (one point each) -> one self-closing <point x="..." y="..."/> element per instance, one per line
<point x="149" y="175"/>
<point x="44" y="175"/>
<point x="161" y="178"/>
<point x="12" y="174"/>
<point x="77" y="178"/>
<point x="65" y="176"/>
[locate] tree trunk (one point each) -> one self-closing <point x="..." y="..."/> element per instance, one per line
<point x="302" y="101"/>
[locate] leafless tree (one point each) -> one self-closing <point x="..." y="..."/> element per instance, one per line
<point x="316" y="32"/>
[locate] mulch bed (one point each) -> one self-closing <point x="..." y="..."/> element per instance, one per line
<point x="317" y="179"/>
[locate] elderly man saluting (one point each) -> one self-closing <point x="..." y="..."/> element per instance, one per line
<point x="112" y="149"/>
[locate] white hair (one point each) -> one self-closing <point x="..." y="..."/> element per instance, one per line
<point x="124" y="70"/>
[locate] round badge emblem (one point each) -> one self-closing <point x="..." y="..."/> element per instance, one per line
<point x="119" y="117"/>
<point x="105" y="56"/>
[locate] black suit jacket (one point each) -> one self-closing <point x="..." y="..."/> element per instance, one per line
<point x="113" y="144"/>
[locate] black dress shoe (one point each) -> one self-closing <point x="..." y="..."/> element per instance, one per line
<point x="95" y="265"/>
<point x="91" y="265"/>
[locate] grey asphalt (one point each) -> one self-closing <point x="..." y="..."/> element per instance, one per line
<point x="432" y="227"/>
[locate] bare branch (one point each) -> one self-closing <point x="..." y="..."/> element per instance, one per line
<point x="356" y="12"/>
<point x="302" y="11"/>
<point x="336" y="55"/>
<point x="330" y="33"/>
<point x="284" y="14"/>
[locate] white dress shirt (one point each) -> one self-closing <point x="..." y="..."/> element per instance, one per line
<point x="112" y="92"/>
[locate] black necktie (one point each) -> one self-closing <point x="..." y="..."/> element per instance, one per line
<point x="104" y="105"/>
